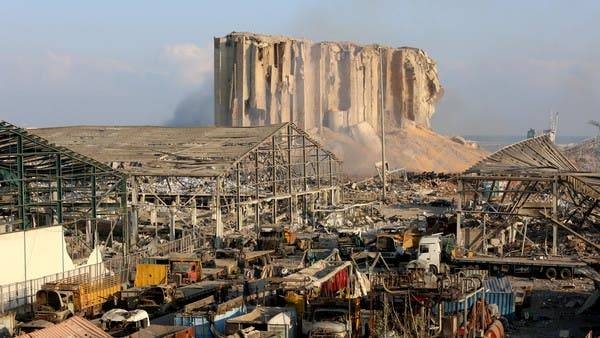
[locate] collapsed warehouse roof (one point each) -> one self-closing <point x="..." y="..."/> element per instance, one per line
<point x="532" y="178"/>
<point x="535" y="154"/>
<point x="164" y="151"/>
<point x="174" y="171"/>
<point x="538" y="157"/>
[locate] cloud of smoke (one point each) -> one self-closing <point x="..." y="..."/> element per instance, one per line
<point x="192" y="67"/>
<point x="196" y="109"/>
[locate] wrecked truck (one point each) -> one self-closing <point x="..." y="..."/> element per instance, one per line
<point x="159" y="299"/>
<point x="327" y="322"/>
<point x="335" y="318"/>
<point x="78" y="295"/>
<point x="119" y="322"/>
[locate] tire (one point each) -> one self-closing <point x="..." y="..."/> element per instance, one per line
<point x="551" y="273"/>
<point x="566" y="273"/>
<point x="433" y="269"/>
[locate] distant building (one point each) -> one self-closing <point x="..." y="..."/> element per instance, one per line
<point x="531" y="133"/>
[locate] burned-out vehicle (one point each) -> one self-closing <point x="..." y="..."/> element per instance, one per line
<point x="159" y="299"/>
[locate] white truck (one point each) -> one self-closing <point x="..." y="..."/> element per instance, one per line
<point x="431" y="256"/>
<point x="430" y="252"/>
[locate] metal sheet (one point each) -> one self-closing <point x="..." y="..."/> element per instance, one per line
<point x="73" y="327"/>
<point x="498" y="284"/>
<point x="150" y="274"/>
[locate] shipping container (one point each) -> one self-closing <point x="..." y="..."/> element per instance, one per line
<point x="202" y="322"/>
<point x="499" y="291"/>
<point x="495" y="290"/>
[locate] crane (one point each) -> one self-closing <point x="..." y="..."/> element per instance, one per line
<point x="595" y="124"/>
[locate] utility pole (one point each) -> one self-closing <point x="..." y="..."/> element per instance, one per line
<point x="381" y="113"/>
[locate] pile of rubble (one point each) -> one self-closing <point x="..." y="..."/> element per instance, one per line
<point x="403" y="187"/>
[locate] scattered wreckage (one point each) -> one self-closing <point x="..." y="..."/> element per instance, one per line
<point x="426" y="263"/>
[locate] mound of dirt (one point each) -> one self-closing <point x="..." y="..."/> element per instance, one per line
<point x="411" y="147"/>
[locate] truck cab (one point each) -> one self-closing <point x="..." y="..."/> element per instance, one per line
<point x="181" y="269"/>
<point x="54" y="306"/>
<point x="327" y="322"/>
<point x="159" y="299"/>
<point x="430" y="252"/>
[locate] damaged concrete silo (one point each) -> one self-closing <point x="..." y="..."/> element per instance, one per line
<point x="261" y="79"/>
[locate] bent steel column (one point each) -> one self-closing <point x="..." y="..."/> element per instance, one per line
<point x="554" y="211"/>
<point x="218" y="223"/>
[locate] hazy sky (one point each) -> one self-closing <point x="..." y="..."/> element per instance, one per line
<point x="504" y="64"/>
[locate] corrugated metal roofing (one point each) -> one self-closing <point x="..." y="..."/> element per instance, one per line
<point x="538" y="153"/>
<point x="497" y="284"/>
<point x="504" y="300"/>
<point x="167" y="151"/>
<point x="163" y="151"/>
<point x="156" y="330"/>
<point x="74" y="327"/>
<point x="34" y="144"/>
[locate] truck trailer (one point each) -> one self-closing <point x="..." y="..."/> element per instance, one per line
<point x="431" y="255"/>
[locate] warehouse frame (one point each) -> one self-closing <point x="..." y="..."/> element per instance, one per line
<point x="531" y="178"/>
<point x="43" y="184"/>
<point x="238" y="177"/>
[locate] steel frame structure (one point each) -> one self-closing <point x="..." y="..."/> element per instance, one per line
<point x="254" y="175"/>
<point x="44" y="184"/>
<point x="283" y="174"/>
<point x="530" y="179"/>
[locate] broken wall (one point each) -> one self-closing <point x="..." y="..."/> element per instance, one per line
<point x="33" y="254"/>
<point x="261" y="80"/>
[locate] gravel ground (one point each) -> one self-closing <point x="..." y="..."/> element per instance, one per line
<point x="552" y="309"/>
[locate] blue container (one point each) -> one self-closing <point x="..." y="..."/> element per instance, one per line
<point x="497" y="291"/>
<point x="201" y="322"/>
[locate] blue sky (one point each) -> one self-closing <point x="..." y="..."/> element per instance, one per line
<point x="504" y="65"/>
